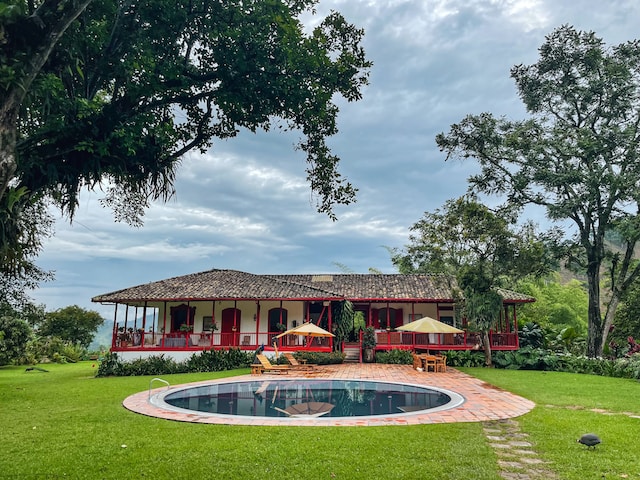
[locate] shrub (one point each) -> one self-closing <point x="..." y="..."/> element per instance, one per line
<point x="110" y="366"/>
<point x="320" y="358"/>
<point x="465" y="358"/>
<point x="395" y="356"/>
<point x="218" y="360"/>
<point x="542" y="359"/>
<point x="14" y="336"/>
<point x="369" y="338"/>
<point x="207" y="361"/>
<point x="531" y="335"/>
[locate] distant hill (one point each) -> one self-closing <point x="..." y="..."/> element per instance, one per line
<point x="102" y="337"/>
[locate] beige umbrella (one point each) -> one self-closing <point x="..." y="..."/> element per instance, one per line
<point x="429" y="325"/>
<point x="308" y="330"/>
<point x="307" y="409"/>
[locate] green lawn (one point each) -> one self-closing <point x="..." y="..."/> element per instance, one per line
<point x="569" y="405"/>
<point x="68" y="424"/>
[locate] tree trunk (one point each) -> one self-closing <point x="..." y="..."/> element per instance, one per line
<point x="595" y="330"/>
<point x="8" y="163"/>
<point x="608" y="319"/>
<point x="487" y="349"/>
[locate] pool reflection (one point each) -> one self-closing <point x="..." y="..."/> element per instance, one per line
<point x="327" y="398"/>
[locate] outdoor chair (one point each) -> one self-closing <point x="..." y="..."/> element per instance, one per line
<point x="296" y="365"/>
<point x="417" y="361"/>
<point x="441" y="363"/>
<point x="429" y="363"/>
<point x="268" y="367"/>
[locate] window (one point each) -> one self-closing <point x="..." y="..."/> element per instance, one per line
<point x="395" y="318"/>
<point x="446" y="319"/>
<point x="207" y="323"/>
<point x="181" y="315"/>
<point x="276" y="316"/>
<point x="446" y="315"/>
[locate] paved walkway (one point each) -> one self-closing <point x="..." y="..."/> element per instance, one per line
<point x="482" y="402"/>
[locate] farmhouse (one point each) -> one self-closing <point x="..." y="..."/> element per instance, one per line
<point x="229" y="308"/>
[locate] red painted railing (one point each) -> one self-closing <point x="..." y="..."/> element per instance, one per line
<point x="444" y="341"/>
<point x="251" y="341"/>
<point x="125" y="341"/>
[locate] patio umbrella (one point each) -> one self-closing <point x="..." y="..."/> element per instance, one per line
<point x="307" y="409"/>
<point x="429" y="325"/>
<point x="308" y="330"/>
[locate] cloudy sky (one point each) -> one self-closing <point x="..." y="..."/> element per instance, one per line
<point x="246" y="205"/>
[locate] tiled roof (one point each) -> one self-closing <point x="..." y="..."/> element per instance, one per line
<point x="233" y="284"/>
<point x="515" y="297"/>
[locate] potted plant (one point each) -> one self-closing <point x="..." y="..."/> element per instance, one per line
<point x="124" y="336"/>
<point x="186" y="328"/>
<point x="368" y="344"/>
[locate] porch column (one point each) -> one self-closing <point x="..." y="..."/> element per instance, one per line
<point x="114" y="333"/>
<point x="515" y="326"/>
<point x="329" y="323"/>
<point x="144" y="316"/>
<point x="164" y="324"/>
<point x="213" y="321"/>
<point x="257" y="321"/>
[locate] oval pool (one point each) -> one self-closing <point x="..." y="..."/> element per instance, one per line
<point x="307" y="398"/>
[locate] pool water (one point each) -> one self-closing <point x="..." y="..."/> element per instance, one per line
<point x="309" y="398"/>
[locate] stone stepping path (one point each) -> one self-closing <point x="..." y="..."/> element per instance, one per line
<point x="516" y="456"/>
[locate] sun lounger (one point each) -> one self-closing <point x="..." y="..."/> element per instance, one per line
<point x="268" y="367"/>
<point x="296" y="365"/>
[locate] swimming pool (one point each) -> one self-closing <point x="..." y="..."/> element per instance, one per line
<point x="306" y="398"/>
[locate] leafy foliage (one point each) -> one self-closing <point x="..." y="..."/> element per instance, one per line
<point x="466" y="233"/>
<point x="395" y="356"/>
<point x="54" y="349"/>
<point x="557" y="304"/>
<point x="627" y="320"/>
<point x="219" y="360"/>
<point x="369" y="338"/>
<point x="529" y="358"/>
<point x="465" y="358"/>
<point x="24" y="223"/>
<point x="483" y="249"/>
<point x="103" y="104"/>
<point x="207" y="361"/>
<point x="15" y="333"/>
<point x="321" y="358"/>
<point x="72" y="323"/>
<point x="342" y="315"/>
<point x="531" y="335"/>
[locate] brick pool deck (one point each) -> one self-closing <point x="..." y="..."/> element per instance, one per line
<point x="482" y="401"/>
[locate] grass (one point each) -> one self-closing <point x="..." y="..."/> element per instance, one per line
<point x="569" y="405"/>
<point x="68" y="424"/>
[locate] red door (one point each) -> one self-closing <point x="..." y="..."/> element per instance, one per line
<point x="229" y="336"/>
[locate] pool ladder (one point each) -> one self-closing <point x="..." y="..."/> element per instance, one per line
<point x="158" y="380"/>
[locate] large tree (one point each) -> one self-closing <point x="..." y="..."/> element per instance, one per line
<point x="577" y="156"/>
<point x="111" y="94"/>
<point x="73" y="324"/>
<point x="484" y="250"/>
